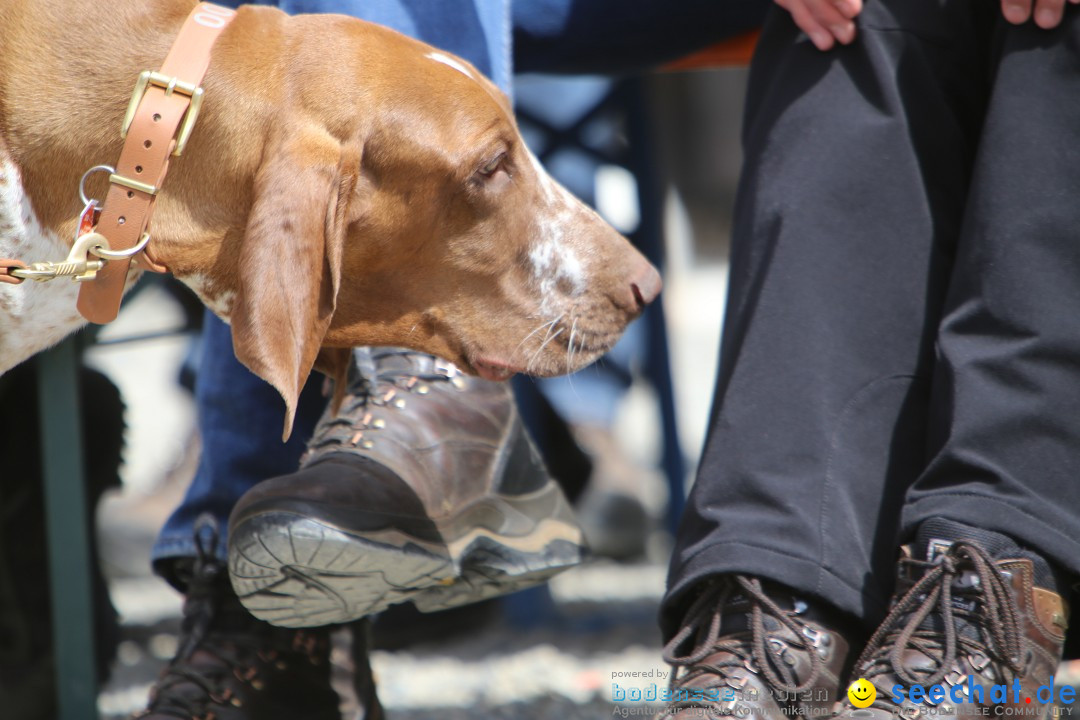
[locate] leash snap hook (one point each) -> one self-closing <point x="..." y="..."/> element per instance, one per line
<point x="79" y="257"/>
<point x="77" y="266"/>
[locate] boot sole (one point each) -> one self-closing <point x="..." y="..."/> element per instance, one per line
<point x="294" y="570"/>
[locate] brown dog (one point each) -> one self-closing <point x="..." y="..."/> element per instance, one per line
<point x="345" y="185"/>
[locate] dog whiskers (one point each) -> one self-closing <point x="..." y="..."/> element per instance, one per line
<point x="529" y="365"/>
<point x="549" y="324"/>
<point x="570" y="346"/>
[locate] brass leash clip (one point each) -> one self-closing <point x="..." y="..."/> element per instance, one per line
<point x="77" y="265"/>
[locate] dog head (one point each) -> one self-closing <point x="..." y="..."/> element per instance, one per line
<point x="395" y="203"/>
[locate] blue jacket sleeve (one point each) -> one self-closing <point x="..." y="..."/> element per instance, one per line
<point x="618" y="36"/>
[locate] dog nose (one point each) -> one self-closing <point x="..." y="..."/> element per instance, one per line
<point x="645" y="285"/>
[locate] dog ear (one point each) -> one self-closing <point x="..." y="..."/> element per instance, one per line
<point x="290" y="259"/>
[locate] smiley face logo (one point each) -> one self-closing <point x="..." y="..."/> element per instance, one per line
<point x="861" y="693"/>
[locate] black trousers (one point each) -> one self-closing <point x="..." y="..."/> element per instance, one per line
<point x="902" y="337"/>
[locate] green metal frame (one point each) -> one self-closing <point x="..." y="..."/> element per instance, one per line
<point x="68" y="533"/>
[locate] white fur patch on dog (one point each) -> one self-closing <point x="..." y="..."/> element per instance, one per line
<point x="456" y="64"/>
<point x="33" y="316"/>
<point x="220" y="303"/>
<point x="555" y="262"/>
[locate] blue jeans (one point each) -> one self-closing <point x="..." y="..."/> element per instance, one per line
<point x="240" y="417"/>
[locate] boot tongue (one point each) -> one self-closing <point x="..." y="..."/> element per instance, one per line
<point x="936" y="535"/>
<point x="738" y="609"/>
<point x="386" y="363"/>
<point x="393" y="360"/>
<point x="932" y="540"/>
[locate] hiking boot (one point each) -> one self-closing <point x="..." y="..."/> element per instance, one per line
<point x="971" y="610"/>
<point x="424" y="487"/>
<point x="230" y="666"/>
<point x="750" y="649"/>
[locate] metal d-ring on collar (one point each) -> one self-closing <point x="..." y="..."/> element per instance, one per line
<point x="78" y="265"/>
<point x="82" y="182"/>
<point x="101" y="249"/>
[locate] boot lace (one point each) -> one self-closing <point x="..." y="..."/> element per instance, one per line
<point x="988" y="612"/>
<point x="381" y="377"/>
<point x="763" y="652"/>
<point x="210" y="658"/>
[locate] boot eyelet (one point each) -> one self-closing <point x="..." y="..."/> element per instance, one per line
<point x="978" y="662"/>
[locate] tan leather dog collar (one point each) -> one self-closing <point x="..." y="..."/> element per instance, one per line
<point x="159" y="120"/>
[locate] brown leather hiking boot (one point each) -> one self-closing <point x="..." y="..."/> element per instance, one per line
<point x="230" y="666"/>
<point x="749" y="650"/>
<point x="424" y="487"/>
<point x="964" y="619"/>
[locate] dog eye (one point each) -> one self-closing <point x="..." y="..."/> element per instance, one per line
<point x="492" y="167"/>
